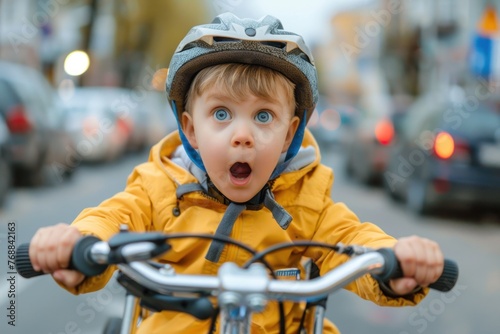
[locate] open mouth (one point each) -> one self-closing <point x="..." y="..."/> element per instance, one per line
<point x="240" y="170"/>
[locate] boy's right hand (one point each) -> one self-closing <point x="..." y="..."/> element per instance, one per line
<point x="50" y="252"/>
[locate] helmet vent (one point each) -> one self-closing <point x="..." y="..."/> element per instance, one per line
<point x="305" y="57"/>
<point x="278" y="45"/>
<point x="226" y="39"/>
<point x="189" y="46"/>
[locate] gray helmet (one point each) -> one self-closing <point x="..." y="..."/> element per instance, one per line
<point x="229" y="39"/>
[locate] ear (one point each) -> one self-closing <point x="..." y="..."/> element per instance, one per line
<point x="292" y="128"/>
<point x="188" y="129"/>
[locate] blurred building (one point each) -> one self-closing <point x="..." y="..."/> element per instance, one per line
<point x="21" y="31"/>
<point x="126" y="40"/>
<point x="394" y="46"/>
<point x="428" y="44"/>
<point x="351" y="59"/>
<point x="147" y="33"/>
<point x="400" y="47"/>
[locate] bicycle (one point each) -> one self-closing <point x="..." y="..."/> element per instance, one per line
<point x="240" y="291"/>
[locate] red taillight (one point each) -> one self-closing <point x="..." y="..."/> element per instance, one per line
<point x="444" y="145"/>
<point x="17" y="120"/>
<point x="124" y="125"/>
<point x="447" y="147"/>
<point x="384" y="132"/>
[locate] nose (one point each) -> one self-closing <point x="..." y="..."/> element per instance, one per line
<point x="242" y="135"/>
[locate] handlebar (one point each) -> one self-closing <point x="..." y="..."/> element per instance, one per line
<point x="129" y="251"/>
<point x="239" y="290"/>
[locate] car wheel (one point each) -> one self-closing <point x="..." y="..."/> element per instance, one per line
<point x="358" y="171"/>
<point x="349" y="168"/>
<point x="5" y="180"/>
<point x="113" y="326"/>
<point x="362" y="172"/>
<point x="365" y="175"/>
<point x="33" y="177"/>
<point x="417" y="197"/>
<point x="392" y="191"/>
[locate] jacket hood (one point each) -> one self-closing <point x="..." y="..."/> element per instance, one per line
<point x="169" y="155"/>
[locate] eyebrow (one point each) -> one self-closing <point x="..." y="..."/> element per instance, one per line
<point x="221" y="96"/>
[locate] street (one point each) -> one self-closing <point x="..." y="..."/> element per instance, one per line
<point x="38" y="305"/>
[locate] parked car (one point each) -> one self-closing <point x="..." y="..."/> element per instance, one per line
<point x="369" y="139"/>
<point x="100" y="129"/>
<point x="37" y="139"/>
<point x="447" y="156"/>
<point x="329" y="122"/>
<point x="147" y="114"/>
<point x="161" y="119"/>
<point x="5" y="174"/>
<point x="128" y="106"/>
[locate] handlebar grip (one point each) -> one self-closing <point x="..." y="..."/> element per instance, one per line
<point x="392" y="269"/>
<point x="23" y="262"/>
<point x="80" y="259"/>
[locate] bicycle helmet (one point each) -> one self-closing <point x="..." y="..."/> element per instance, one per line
<point x="229" y="39"/>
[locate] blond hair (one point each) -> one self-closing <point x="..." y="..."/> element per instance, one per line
<point x="238" y="80"/>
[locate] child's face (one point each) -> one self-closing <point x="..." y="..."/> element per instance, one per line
<point x="240" y="142"/>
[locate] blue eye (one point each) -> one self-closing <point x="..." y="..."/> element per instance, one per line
<point x="264" y="117"/>
<point x="221" y="115"/>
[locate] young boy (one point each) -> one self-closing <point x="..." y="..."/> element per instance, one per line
<point x="241" y="164"/>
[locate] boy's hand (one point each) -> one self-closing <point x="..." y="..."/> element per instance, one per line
<point x="421" y="261"/>
<point x="50" y="252"/>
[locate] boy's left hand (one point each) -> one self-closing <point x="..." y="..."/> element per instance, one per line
<point x="421" y="262"/>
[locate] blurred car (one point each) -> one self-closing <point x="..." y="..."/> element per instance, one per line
<point x="447" y="156"/>
<point x="138" y="137"/>
<point x="37" y="138"/>
<point x="151" y="118"/>
<point x="100" y="129"/>
<point x="127" y="105"/>
<point x="161" y="119"/>
<point x="369" y="139"/>
<point x="329" y="122"/>
<point x="5" y="175"/>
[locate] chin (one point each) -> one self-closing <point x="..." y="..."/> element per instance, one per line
<point x="240" y="199"/>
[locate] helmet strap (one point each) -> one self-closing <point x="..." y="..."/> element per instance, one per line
<point x="191" y="152"/>
<point x="294" y="147"/>
<point x="264" y="198"/>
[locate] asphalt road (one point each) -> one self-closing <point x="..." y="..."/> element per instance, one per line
<point x="40" y="306"/>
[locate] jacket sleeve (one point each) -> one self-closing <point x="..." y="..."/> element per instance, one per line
<point x="338" y="223"/>
<point x="131" y="207"/>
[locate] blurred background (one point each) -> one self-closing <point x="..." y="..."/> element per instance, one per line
<point x="408" y="118"/>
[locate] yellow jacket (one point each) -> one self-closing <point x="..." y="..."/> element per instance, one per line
<point x="149" y="201"/>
